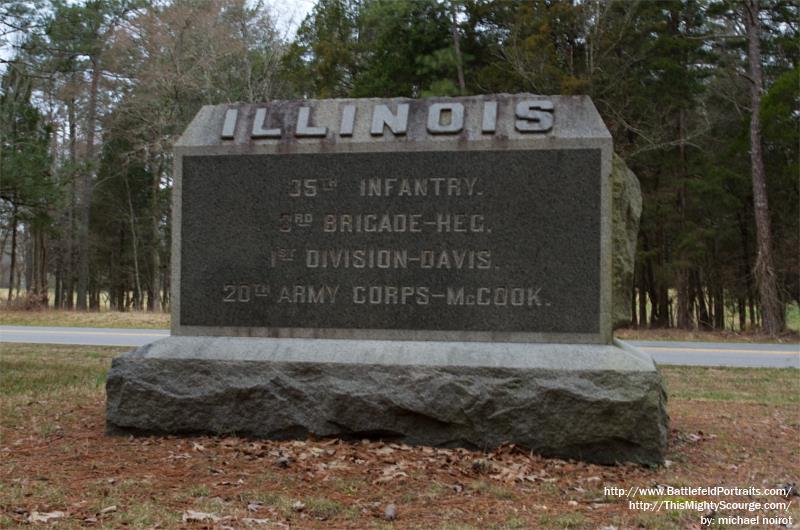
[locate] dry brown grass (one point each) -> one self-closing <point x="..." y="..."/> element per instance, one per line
<point x="788" y="337"/>
<point x="88" y="319"/>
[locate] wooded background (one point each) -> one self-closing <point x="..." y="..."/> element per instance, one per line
<point x="702" y="99"/>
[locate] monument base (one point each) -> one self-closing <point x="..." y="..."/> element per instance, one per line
<point x="598" y="403"/>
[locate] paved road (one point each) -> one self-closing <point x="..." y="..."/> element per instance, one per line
<point x="86" y="336"/>
<point x="689" y="353"/>
<point x="722" y="353"/>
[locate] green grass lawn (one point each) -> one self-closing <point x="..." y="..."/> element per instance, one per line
<point x="36" y="370"/>
<point x="793" y="317"/>
<point x="773" y="386"/>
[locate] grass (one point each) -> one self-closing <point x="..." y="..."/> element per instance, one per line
<point x="773" y="386"/>
<point x="569" y="520"/>
<point x="54" y="456"/>
<point x="34" y="377"/>
<point x="34" y="370"/>
<point x="322" y="508"/>
<point x="488" y="488"/>
<point x="102" y="319"/>
<point x="687" y="335"/>
<point x="793" y="317"/>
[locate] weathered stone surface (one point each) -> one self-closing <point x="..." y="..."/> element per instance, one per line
<point x="511" y="346"/>
<point x="626" y="210"/>
<point x="261" y="220"/>
<point x="509" y="241"/>
<point x="592" y="402"/>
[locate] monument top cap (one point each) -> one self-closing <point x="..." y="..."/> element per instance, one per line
<point x="486" y="121"/>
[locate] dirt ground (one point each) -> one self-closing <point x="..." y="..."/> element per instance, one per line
<point x="729" y="427"/>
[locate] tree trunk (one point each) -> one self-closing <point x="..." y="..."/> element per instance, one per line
<point x="58" y="277"/>
<point x="135" y="247"/>
<point x="663" y="318"/>
<point x="462" y="86"/>
<point x="703" y="318"/>
<point x="719" y="307"/>
<point x="684" y="300"/>
<point x="772" y="312"/>
<point x="642" y="303"/>
<point x="155" y="256"/>
<point x="27" y="261"/>
<point x="684" y="317"/>
<point x="742" y="315"/>
<point x="13" y="263"/>
<point x="69" y="273"/>
<point x="85" y="191"/>
<point x="18" y="284"/>
<point x="38" y="286"/>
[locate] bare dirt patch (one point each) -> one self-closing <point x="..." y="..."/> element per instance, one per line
<point x="57" y="464"/>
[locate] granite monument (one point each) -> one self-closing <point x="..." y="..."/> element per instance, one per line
<point x="429" y="271"/>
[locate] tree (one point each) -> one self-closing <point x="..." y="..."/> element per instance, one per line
<point x="25" y="180"/>
<point x="781" y="137"/>
<point x="182" y="59"/>
<point x="78" y="35"/>
<point x="321" y="62"/>
<point x="772" y="309"/>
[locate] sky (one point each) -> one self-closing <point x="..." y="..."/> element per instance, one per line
<point x="288" y="16"/>
<point x="290" y="13"/>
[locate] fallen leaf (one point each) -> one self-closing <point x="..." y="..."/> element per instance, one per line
<point x="390" y="477"/>
<point x="38" y="517"/>
<point x="257" y="522"/>
<point x="191" y="516"/>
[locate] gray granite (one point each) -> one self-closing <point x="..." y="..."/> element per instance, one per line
<point x="534" y="366"/>
<point x="626" y="213"/>
<point x="556" y="214"/>
<point x="599" y="403"/>
<point x="500" y="243"/>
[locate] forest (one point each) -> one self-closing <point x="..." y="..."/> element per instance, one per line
<point x="702" y="98"/>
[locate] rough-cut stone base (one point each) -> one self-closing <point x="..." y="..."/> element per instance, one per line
<point x="591" y="402"/>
